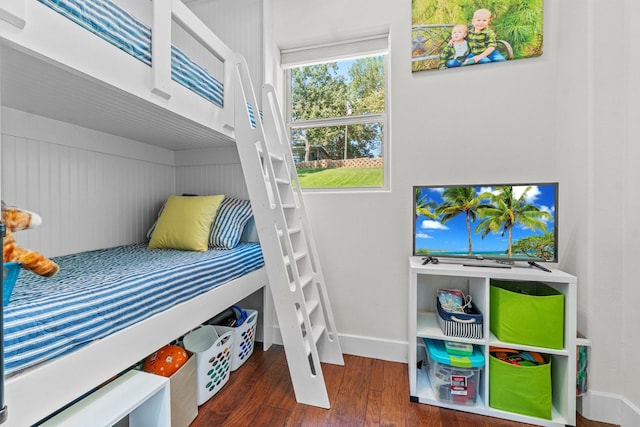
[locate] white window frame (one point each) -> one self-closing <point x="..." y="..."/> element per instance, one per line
<point x="376" y="45"/>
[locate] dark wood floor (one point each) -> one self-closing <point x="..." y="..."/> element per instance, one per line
<point x="363" y="392"/>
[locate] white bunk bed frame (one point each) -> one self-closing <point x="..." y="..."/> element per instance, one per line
<point x="27" y="30"/>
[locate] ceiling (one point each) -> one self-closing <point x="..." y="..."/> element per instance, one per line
<point x="41" y="88"/>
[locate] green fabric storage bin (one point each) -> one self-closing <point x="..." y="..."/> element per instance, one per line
<point x="529" y="313"/>
<point x="524" y="390"/>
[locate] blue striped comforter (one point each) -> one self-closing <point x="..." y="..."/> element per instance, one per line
<point x="109" y="21"/>
<point x="100" y="292"/>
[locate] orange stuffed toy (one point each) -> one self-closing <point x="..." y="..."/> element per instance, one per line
<point x="16" y="219"/>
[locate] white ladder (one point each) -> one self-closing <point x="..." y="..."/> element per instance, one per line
<point x="295" y="278"/>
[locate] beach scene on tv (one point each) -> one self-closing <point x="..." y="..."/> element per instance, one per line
<point x="511" y="222"/>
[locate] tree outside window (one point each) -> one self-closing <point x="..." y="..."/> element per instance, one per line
<point x="337" y="119"/>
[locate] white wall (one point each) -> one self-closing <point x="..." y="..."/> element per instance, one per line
<point x="570" y="115"/>
<point x="238" y="23"/>
<point x="92" y="190"/>
<point x="210" y="171"/>
<point x="630" y="110"/>
<point x="365" y="238"/>
<point x="597" y="130"/>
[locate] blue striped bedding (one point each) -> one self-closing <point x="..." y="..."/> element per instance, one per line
<point x="100" y="292"/>
<point x="109" y="21"/>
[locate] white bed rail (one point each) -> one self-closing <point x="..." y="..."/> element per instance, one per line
<point x="30" y="26"/>
<point x="165" y="14"/>
<point x="12" y="11"/>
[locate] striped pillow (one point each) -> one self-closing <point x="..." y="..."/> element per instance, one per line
<point x="153" y="227"/>
<point x="231" y="218"/>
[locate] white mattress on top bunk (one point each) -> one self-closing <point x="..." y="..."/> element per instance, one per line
<point x="98" y="293"/>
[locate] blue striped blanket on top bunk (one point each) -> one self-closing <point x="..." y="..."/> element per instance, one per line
<point x="100" y="292"/>
<point x="114" y="24"/>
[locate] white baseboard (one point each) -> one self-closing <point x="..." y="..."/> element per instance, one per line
<point x="609" y="408"/>
<point x="375" y="348"/>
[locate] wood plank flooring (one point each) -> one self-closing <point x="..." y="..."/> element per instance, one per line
<point x="364" y="392"/>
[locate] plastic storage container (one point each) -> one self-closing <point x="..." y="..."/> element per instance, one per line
<point x="454" y="379"/>
<point x="530" y="313"/>
<point x="582" y="366"/>
<point x="243" y="338"/>
<point x="213" y="359"/>
<point x="183" y="396"/>
<point x="10" y="273"/>
<point x="522" y="389"/>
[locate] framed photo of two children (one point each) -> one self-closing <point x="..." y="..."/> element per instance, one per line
<point x="449" y="34"/>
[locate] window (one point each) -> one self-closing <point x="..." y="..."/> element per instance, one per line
<point x="336" y="117"/>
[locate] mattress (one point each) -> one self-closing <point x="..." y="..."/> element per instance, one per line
<point x="100" y="292"/>
<point x="120" y="28"/>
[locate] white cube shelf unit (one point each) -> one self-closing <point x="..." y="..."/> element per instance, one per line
<point x="424" y="282"/>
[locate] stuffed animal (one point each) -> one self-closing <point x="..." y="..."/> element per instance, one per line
<point x="16" y="219"/>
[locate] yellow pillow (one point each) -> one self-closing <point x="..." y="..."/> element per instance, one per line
<point x="185" y="223"/>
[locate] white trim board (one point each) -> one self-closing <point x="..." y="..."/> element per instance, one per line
<point x="609" y="408"/>
<point x="374" y="348"/>
<point x="39" y="128"/>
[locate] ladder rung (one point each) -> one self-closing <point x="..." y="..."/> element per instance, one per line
<point x="271" y="155"/>
<point x="306" y="280"/>
<point x="316" y="333"/>
<point x="279" y="181"/>
<point x="290" y="231"/>
<point x="297" y="256"/>
<point x="288" y="206"/>
<point x="276" y="157"/>
<point x="312" y="305"/>
<point x="294" y="230"/>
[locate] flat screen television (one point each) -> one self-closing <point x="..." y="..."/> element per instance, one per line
<point x="504" y="222"/>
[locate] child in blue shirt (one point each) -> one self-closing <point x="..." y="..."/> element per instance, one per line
<point x="457" y="50"/>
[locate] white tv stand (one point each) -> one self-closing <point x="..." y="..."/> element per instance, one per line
<point x="425" y="280"/>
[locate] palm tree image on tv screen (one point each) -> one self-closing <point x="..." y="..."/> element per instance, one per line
<point x="510" y="222"/>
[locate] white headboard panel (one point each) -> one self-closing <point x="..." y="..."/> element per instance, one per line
<point x="224" y="179"/>
<point x="88" y="197"/>
<point x="214" y="170"/>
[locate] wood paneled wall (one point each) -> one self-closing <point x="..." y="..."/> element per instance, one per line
<point x="88" y="190"/>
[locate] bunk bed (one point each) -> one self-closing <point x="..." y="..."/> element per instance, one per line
<point x="53" y="56"/>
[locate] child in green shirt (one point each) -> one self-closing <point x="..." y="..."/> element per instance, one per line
<point x="482" y="40"/>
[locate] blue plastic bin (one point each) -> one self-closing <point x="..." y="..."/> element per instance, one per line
<point x="10" y="272"/>
<point x="454" y="379"/>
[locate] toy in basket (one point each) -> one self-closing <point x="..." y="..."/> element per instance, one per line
<point x="213" y="359"/>
<point x="244" y="336"/>
<point x="457" y="316"/>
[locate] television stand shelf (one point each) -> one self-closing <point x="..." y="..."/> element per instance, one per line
<point x="426" y="279"/>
